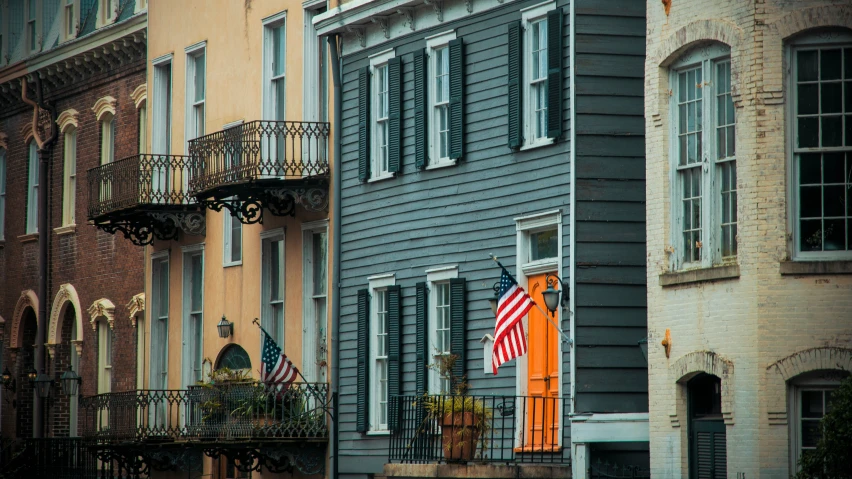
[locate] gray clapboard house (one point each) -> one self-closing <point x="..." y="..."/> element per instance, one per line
<point x="476" y="127"/>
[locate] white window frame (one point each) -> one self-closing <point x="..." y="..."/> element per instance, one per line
<point x="378" y="283"/>
<point x="314" y="323"/>
<point x="105" y="343"/>
<point x="839" y="39"/>
<point x="69" y="184"/>
<point x="106" y="12"/>
<point x="70" y="18"/>
<point x="314" y="66"/>
<point x="143" y="128"/>
<point x="190" y="377"/>
<point x="794" y="395"/>
<point x="107" y="124"/>
<point x="228" y="238"/>
<point x="2" y="193"/>
<point x="377" y="61"/>
<point x="435" y="43"/>
<point x="529" y="16"/>
<point x="267" y="240"/>
<point x="32" y="189"/>
<point x="140" y="6"/>
<point x="435" y="278"/>
<point x="269" y="78"/>
<point x="159" y="337"/>
<point x="705" y="58"/>
<point x="162" y="106"/>
<point x="32" y="26"/>
<point x="194" y="127"/>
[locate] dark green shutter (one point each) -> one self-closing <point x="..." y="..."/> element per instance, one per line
<point x="456" y="126"/>
<point x="394" y="340"/>
<point x="364" y="124"/>
<point x="515" y="97"/>
<point x="421" y="155"/>
<point x="394" y="114"/>
<point x="457" y="327"/>
<point x="554" y="73"/>
<point x="363" y="355"/>
<point x="421" y="341"/>
<point x="709" y="450"/>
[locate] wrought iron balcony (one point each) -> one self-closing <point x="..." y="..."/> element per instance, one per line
<point x="262" y="164"/>
<point x="144" y="196"/>
<point x="492" y="429"/>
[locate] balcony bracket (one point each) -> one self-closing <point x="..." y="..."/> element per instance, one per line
<point x="128" y="460"/>
<point x="306" y="458"/>
<point x="174" y="459"/>
<point x="142" y="227"/>
<point x="247" y="202"/>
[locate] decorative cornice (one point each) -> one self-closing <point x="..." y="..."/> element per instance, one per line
<point x="67" y="118"/>
<point x="136" y="306"/>
<point x="66" y="294"/>
<point x="27" y="132"/>
<point x="140" y="95"/>
<point x="104" y="105"/>
<point x="102" y="307"/>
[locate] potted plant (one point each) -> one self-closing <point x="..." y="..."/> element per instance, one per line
<point x="464" y="420"/>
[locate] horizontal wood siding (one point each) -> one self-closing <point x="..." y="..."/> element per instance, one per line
<point x="610" y="294"/>
<point x="449" y="216"/>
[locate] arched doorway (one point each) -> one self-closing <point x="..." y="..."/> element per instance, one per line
<point x="707" y="443"/>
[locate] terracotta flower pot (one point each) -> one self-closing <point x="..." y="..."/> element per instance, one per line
<point x="459" y="436"/>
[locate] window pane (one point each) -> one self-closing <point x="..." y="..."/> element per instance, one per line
<point x="320" y="247"/>
<point x="236" y="239"/>
<point x="830" y="64"/>
<point x="197" y="282"/>
<point x="200" y="83"/>
<point x="808" y="99"/>
<point x="278" y="52"/>
<point x="808" y="132"/>
<point x="544" y="244"/>
<point x="831" y="98"/>
<point x="810" y="433"/>
<point x="807" y="66"/>
<point x="835" y="235"/>
<point x="280" y="100"/>
<point x="276" y="290"/>
<point x="832" y="131"/>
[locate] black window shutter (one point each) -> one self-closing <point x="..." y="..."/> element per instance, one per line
<point x="709" y="449"/>
<point x="421" y="156"/>
<point x="394" y="114"/>
<point x="456" y="126"/>
<point x="515" y="97"/>
<point x="421" y="346"/>
<point x="554" y="73"/>
<point x="364" y="124"/>
<point x="363" y="355"/>
<point x="457" y="327"/>
<point x="394" y="353"/>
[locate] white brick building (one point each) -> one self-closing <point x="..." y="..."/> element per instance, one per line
<point x="749" y="240"/>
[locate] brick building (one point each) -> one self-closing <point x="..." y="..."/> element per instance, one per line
<point x="749" y="149"/>
<point x="86" y="59"/>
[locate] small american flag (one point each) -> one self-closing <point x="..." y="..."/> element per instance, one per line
<point x="276" y="368"/>
<point x="510" y="340"/>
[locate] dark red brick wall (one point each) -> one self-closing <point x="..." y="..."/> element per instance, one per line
<point x="97" y="264"/>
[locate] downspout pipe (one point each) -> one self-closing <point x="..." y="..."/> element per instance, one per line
<point x="335" y="255"/>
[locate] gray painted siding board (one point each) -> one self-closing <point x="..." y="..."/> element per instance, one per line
<point x="629" y="168"/>
<point x="621" y="8"/>
<point x="610" y="125"/>
<point x="627" y="254"/>
<point x="610" y="190"/>
<point x="612" y="357"/>
<point x="603" y="232"/>
<point x="610" y="211"/>
<point x="616" y="87"/>
<point x="603" y="104"/>
<point x="603" y="24"/>
<point x="610" y="274"/>
<point x="612" y="402"/>
<point x="612" y="316"/>
<point x="614" y="381"/>
<point x="609" y="336"/>
<point x="609" y="45"/>
<point x="593" y="295"/>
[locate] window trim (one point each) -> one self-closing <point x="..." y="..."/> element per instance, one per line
<point x="528" y="16"/>
<point x="266" y="238"/>
<point x="104" y="17"/>
<point x="705" y="57"/>
<point x="433" y="43"/>
<point x="69" y="191"/>
<point x="227" y="238"/>
<point x="434" y="277"/>
<point x="106" y="122"/>
<point x="161" y="112"/>
<point x="193" y="52"/>
<point x="162" y="261"/>
<point x="268" y="96"/>
<point x="312" y="371"/>
<point x="105" y="335"/>
<point x="794" y="390"/>
<point x="37" y="27"/>
<point x="32" y="188"/>
<point x="377" y="60"/>
<point x="842" y="38"/>
<point x="376" y="283"/>
<point x="187" y="252"/>
<point x="64" y="34"/>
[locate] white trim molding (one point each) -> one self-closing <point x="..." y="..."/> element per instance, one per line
<point x="104" y="105"/>
<point x="67" y="118"/>
<point x="139" y="95"/>
<point x="102" y="307"/>
<point x="615" y="427"/>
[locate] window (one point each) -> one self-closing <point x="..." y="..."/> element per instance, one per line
<point x="143" y="129"/>
<point x="160" y="321"/>
<point x="809" y="400"/>
<point x="32" y="190"/>
<point x="272" y="287"/>
<point x="70" y="177"/>
<point x="439" y="98"/>
<point x="379" y="352"/>
<point x="440" y="340"/>
<point x="195" y="91"/>
<point x="380" y="112"/>
<point x="2" y="193"/>
<point x="193" y="312"/>
<point x="107" y="138"/>
<point x="704" y="202"/>
<point x="108" y="12"/>
<point x="233" y="240"/>
<point x="69" y="19"/>
<point x="162" y="120"/>
<point x="141" y="5"/>
<point x="315" y="71"/>
<point x="104" y="357"/>
<point x="315" y="310"/>
<point x="32" y="25"/>
<point x="275" y="63"/>
<point x="822" y="148"/>
<point x="537" y="100"/>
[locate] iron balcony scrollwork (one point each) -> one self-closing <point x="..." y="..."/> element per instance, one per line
<point x="274" y="165"/>
<point x="144" y="197"/>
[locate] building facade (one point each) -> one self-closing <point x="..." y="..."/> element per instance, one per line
<point x="477" y="128"/>
<point x="231" y="198"/>
<point x="83" y="63"/>
<point x="748" y="147"/>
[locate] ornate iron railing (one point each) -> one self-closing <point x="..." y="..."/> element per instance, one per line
<point x="502" y="429"/>
<point x="210" y="414"/>
<point x="140" y="180"/>
<point x="259" y="150"/>
<point x="57" y="458"/>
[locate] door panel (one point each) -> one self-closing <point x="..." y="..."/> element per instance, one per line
<point x="709" y="457"/>
<point x="542" y="431"/>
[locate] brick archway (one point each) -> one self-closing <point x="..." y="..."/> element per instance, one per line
<point x="67" y="295"/>
<point x="28" y="299"/>
<point x="687" y="366"/>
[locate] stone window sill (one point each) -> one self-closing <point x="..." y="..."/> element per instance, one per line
<point x="701" y="275"/>
<point x="815" y="267"/>
<point x="65" y="230"/>
<point x="28" y="238"/>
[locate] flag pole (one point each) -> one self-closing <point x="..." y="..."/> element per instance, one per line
<point x="564" y="336"/>
<point x="256" y="322"/>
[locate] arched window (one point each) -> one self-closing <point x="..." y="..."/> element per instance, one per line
<point x="233" y="357"/>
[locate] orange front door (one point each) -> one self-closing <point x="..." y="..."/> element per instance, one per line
<point x="542" y="431"/>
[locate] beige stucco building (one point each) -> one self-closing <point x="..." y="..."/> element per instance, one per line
<point x="749" y="153"/>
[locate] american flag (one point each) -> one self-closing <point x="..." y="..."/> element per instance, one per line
<point x="276" y="368"/>
<point x="510" y="341"/>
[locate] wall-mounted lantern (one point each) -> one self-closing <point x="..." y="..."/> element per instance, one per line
<point x="70" y="382"/>
<point x="495" y="298"/>
<point x="551" y="294"/>
<point x="225" y="327"/>
<point x="42" y="384"/>
<point x="8" y="380"/>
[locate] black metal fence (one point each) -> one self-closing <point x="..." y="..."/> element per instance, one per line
<point x="138" y="180"/>
<point x="606" y="470"/>
<point x="501" y="429"/>
<point x="224" y="412"/>
<point x="258" y="150"/>
<point x="54" y="458"/>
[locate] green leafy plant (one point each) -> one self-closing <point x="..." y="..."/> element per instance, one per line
<point x="832" y="458"/>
